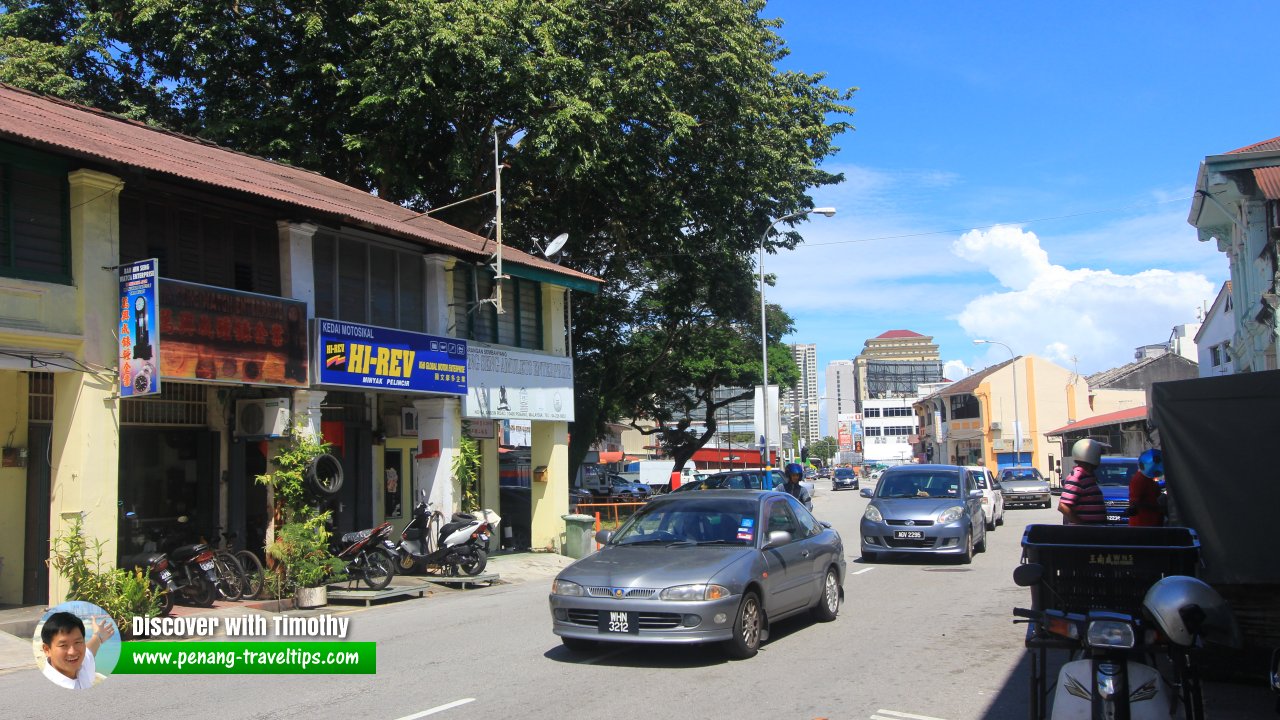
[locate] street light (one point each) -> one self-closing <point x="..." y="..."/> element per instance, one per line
<point x="1017" y="429"/>
<point x="764" y="336"/>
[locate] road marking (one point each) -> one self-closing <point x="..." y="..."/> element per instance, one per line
<point x="897" y="715"/>
<point x="437" y="709"/>
<point x="859" y="572"/>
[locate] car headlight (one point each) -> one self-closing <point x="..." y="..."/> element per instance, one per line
<point x="564" y="587"/>
<point x="694" y="592"/>
<point x="1110" y="634"/>
<point x="873" y="514"/>
<point x="950" y="515"/>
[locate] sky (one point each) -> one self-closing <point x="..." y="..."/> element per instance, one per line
<point x="1020" y="172"/>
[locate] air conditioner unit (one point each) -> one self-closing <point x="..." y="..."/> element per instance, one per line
<point x="995" y="426"/>
<point x="997" y="445"/>
<point x="268" y="417"/>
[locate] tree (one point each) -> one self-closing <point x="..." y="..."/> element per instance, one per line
<point x="659" y="134"/>
<point x="824" y="449"/>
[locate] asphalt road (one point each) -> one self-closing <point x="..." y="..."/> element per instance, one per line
<point x="915" y="640"/>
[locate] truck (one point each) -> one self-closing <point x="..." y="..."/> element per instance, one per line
<point x="657" y="474"/>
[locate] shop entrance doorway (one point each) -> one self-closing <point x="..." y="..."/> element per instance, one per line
<point x="168" y="473"/>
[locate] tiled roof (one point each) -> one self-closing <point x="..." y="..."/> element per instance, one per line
<point x="1111" y="418"/>
<point x="971" y="383"/>
<point x="1268" y="178"/>
<point x="894" y="334"/>
<point x="88" y="133"/>
<point x="1104" y="378"/>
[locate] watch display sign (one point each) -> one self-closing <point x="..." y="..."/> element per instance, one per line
<point x="138" y="332"/>
<point x="377" y="358"/>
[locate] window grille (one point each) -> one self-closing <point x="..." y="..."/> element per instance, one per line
<point x="40" y="397"/>
<point x="177" y="405"/>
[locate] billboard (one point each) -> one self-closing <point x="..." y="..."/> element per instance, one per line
<point x="377" y="358"/>
<point x="138" y="334"/>
<point x="509" y="384"/>
<point x="775" y="417"/>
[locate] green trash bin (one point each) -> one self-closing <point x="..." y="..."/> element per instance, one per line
<point x="579" y="535"/>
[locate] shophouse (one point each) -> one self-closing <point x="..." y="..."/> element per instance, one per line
<point x="284" y="300"/>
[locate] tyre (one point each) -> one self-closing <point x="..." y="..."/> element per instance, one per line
<point x="405" y="564"/>
<point x="1000" y="520"/>
<point x="324" y="474"/>
<point x="747" y="628"/>
<point x="967" y="557"/>
<point x="255" y="577"/>
<point x="479" y="560"/>
<point x="991" y="525"/>
<point x="231" y="580"/>
<point x="577" y="644"/>
<point x="378" y="570"/>
<point x="164" y="603"/>
<point x="202" y="592"/>
<point x="982" y="545"/>
<point x="829" y="603"/>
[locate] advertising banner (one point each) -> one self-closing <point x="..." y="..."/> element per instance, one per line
<point x="844" y="439"/>
<point x="509" y="384"/>
<point x="139" y="337"/>
<point x="378" y="358"/>
<point x="219" y="335"/>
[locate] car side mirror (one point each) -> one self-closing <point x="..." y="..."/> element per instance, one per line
<point x="1028" y="574"/>
<point x="777" y="538"/>
<point x="975" y="494"/>
<point x="865" y="492"/>
<point x="825" y="524"/>
<point x="602" y="536"/>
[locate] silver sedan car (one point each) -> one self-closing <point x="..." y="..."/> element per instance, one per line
<point x="702" y="567"/>
<point x="933" y="509"/>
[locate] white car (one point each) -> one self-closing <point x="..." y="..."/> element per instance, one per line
<point x="992" y="496"/>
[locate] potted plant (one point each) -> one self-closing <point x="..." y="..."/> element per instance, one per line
<point x="302" y="549"/>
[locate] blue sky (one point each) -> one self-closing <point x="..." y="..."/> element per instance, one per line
<point x="1075" y="129"/>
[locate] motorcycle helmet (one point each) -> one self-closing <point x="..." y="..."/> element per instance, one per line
<point x="793" y="468"/>
<point x="1087" y="451"/>
<point x="1152" y="463"/>
<point x="1185" y="608"/>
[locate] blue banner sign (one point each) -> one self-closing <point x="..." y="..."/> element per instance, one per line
<point x="377" y="358"/>
<point x="138" y="331"/>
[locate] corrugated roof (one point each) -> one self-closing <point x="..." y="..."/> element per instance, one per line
<point x="971" y="383"/>
<point x="1111" y="418"/>
<point x="1104" y="378"/>
<point x="1268" y="178"/>
<point x="1272" y="144"/>
<point x="892" y="334"/>
<point x="90" y="133"/>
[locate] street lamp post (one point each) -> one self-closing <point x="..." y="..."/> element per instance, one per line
<point x="764" y="335"/>
<point x="1017" y="428"/>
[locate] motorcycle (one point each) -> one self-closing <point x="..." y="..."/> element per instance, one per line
<point x="187" y="571"/>
<point x="1117" y="674"/>
<point x="460" y="545"/>
<point x="365" y="557"/>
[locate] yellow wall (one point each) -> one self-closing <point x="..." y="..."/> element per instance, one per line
<point x="13" y="486"/>
<point x="550" y="499"/>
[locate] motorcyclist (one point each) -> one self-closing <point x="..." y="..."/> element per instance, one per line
<point x="1081" y="502"/>
<point x="794" y="474"/>
<point x="1145" y="509"/>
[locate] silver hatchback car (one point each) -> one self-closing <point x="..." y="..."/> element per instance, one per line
<point x="697" y="567"/>
<point x="930" y="509"/>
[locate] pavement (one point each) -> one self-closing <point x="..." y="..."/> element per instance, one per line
<point x="17" y="624"/>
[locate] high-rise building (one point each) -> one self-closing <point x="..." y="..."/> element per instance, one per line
<point x="842" y="398"/>
<point x="801" y="405"/>
<point x="894" y="364"/>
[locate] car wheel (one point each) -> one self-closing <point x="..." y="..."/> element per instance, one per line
<point x="1000" y="520"/>
<point x="967" y="557"/>
<point x="991" y="525"/>
<point x="982" y="545"/>
<point x="577" y="644"/>
<point x="747" y="628"/>
<point x="829" y="604"/>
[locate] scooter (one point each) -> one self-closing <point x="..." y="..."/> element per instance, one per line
<point x="460" y="545"/>
<point x="366" y="560"/>
<point x="187" y="572"/>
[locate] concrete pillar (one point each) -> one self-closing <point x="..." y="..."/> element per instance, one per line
<point x="438" y="281"/>
<point x="554" y="338"/>
<point x="306" y="411"/>
<point x="439" y="421"/>
<point x="86" y="426"/>
<point x="297" y="270"/>
<point x="549" y="496"/>
<point x="490" y="494"/>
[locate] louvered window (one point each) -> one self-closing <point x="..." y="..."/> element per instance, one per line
<point x="521" y="323"/>
<point x="368" y="282"/>
<point x="35" y="237"/>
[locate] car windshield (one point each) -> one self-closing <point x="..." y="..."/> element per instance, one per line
<point x="735" y="481"/>
<point x="704" y="521"/>
<point x="1021" y="475"/>
<point x="1116" y="473"/>
<point x="919" y="484"/>
<point x="844" y="473"/>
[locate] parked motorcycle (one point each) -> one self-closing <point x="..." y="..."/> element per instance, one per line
<point x="459" y="547"/>
<point x="1115" y="670"/>
<point x="365" y="557"/>
<point x="187" y="572"/>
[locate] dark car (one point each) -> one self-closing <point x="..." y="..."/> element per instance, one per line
<point x="1114" y="474"/>
<point x="844" y="478"/>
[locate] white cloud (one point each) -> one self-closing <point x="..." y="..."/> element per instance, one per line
<point x="1090" y="319"/>
<point x="954" y="370"/>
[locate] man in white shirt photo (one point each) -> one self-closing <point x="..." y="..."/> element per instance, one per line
<point x="68" y="657"/>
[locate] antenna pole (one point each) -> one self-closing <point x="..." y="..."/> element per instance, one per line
<point x="497" y="194"/>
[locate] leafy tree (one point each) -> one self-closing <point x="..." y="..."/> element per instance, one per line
<point x="659" y="134"/>
<point x="824" y="449"/>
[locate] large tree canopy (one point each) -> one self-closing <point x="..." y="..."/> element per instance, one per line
<point x="660" y="134"/>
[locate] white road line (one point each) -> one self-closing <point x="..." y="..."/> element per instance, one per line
<point x="897" y="714"/>
<point x="438" y="708"/>
<point x="859" y="572"/>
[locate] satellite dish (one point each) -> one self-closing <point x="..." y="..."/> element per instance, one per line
<point x="556" y="245"/>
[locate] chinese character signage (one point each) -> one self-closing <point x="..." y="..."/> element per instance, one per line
<point x="218" y="335"/>
<point x="138" y="333"/>
<point x="377" y="358"/>
<point x="509" y="384"/>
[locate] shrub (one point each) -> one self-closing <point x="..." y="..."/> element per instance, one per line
<point x="123" y="594"/>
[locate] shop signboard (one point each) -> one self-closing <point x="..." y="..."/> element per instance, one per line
<point x="213" y="334"/>
<point x="509" y="384"/>
<point x="377" y="358"/>
<point x="139" y="336"/>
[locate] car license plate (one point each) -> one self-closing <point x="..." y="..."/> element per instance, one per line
<point x="618" y="623"/>
<point x="165" y="575"/>
<point x="207" y="565"/>
<point x="908" y="534"/>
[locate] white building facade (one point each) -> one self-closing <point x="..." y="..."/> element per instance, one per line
<point x="887" y="427"/>
<point x="1214" y="337"/>
<point x="801" y="405"/>
<point x="841" y="392"/>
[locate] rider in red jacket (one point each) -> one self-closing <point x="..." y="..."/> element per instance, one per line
<point x="1144" y="491"/>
